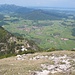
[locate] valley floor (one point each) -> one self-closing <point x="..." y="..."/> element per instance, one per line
<point x="44" y="63"/>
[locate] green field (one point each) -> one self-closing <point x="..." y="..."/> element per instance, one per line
<point x="47" y="34"/>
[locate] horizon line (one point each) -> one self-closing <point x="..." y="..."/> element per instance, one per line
<point x="41" y="6"/>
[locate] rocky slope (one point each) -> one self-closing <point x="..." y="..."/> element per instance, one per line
<point x="44" y="63"/>
<point x="10" y="44"/>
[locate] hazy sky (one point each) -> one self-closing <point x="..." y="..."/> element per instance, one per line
<point x="45" y="3"/>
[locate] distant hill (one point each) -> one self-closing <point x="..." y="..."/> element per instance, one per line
<point x="13" y="8"/>
<point x="30" y="13"/>
<point x="44" y="15"/>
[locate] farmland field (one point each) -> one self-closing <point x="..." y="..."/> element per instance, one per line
<point x="48" y="28"/>
<point x="58" y="34"/>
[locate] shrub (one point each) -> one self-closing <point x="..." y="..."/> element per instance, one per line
<point x="51" y="49"/>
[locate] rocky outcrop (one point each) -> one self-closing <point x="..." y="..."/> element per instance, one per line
<point x="61" y="64"/>
<point x="10" y="44"/>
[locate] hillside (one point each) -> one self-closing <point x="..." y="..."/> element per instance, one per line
<point x="4" y="35"/>
<point x="31" y="13"/>
<point x="51" y="63"/>
<point x="43" y="15"/>
<point x="13" y="8"/>
<point x="11" y="45"/>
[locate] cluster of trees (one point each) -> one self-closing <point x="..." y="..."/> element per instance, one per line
<point x="1" y="17"/>
<point x="73" y="32"/>
<point x="3" y="23"/>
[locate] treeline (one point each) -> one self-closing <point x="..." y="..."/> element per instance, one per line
<point x="1" y="17"/>
<point x="73" y="32"/>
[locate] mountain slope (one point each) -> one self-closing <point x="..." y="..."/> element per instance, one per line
<point x="44" y="15"/>
<point x="30" y="13"/>
<point x="10" y="44"/>
<point x="58" y="63"/>
<point x="4" y="35"/>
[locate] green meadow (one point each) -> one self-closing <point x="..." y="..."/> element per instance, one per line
<point x="58" y="34"/>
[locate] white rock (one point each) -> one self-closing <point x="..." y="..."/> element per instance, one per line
<point x="64" y="67"/>
<point x="24" y="55"/>
<point x="18" y="56"/>
<point x="50" y="67"/>
<point x="43" y="66"/>
<point x="34" y="58"/>
<point x="46" y="56"/>
<point x="42" y="57"/>
<point x="58" y="70"/>
<point x="53" y="71"/>
<point x="66" y="61"/>
<point x="52" y="57"/>
<point x="44" y="72"/>
<point x="30" y="59"/>
<point x="73" y="59"/>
